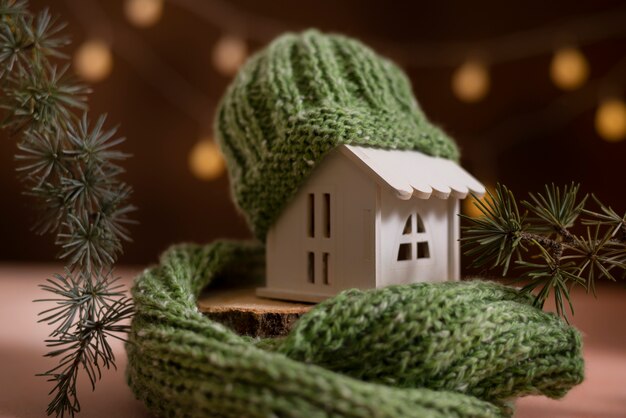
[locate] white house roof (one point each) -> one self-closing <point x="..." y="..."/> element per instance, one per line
<point x="414" y="174"/>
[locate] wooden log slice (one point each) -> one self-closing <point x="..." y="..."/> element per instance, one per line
<point x="245" y="313"/>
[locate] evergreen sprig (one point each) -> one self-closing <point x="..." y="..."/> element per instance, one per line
<point x="71" y="168"/>
<point x="542" y="243"/>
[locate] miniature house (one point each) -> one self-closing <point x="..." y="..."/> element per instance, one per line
<point x="368" y="218"/>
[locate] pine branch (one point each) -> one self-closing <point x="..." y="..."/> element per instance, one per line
<point x="84" y="345"/>
<point x="564" y="259"/>
<point x="71" y="169"/>
<point x="498" y="234"/>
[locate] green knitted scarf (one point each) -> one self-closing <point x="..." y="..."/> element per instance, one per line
<point x="454" y="349"/>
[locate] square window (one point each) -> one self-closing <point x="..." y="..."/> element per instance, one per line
<point x="422" y="250"/>
<point x="404" y="252"/>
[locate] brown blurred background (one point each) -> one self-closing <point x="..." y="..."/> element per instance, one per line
<point x="488" y="72"/>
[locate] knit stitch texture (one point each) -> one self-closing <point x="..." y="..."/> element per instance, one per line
<point x="453" y="349"/>
<point x="299" y="98"/>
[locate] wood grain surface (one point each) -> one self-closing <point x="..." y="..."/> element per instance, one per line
<point x="247" y="314"/>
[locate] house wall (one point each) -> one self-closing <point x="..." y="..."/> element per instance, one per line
<point x="436" y="215"/>
<point x="352" y="243"/>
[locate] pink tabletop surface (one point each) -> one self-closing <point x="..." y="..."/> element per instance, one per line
<point x="21" y="348"/>
<point x="22" y="394"/>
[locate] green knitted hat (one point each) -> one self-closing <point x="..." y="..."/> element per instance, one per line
<point x="301" y="97"/>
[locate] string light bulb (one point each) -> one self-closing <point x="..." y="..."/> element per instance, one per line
<point x="206" y="161"/>
<point x="611" y="120"/>
<point x="143" y="13"/>
<point x="569" y="68"/>
<point x="93" y="60"/>
<point x="228" y="54"/>
<point x="470" y="82"/>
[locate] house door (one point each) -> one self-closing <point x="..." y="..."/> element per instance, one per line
<point x="415" y="246"/>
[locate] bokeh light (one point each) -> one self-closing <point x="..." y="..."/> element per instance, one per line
<point x="470" y="82"/>
<point x="611" y="120"/>
<point x="205" y="160"/>
<point x="93" y="60"/>
<point x="469" y="203"/>
<point x="143" y="13"/>
<point x="228" y="54"/>
<point x="569" y="68"/>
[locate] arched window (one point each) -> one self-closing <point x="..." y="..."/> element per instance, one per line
<point x="413" y="243"/>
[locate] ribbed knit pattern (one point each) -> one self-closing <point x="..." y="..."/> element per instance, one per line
<point x="425" y="350"/>
<point x="299" y="98"/>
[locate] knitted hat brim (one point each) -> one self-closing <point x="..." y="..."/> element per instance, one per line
<point x="325" y="128"/>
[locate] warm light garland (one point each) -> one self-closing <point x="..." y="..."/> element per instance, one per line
<point x="93" y="60"/>
<point x="228" y="54"/>
<point x="205" y="160"/>
<point x="470" y="82"/>
<point x="143" y="13"/>
<point x="569" y="68"/>
<point x="611" y="120"/>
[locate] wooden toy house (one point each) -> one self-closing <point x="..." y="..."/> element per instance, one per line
<point x="368" y="218"/>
